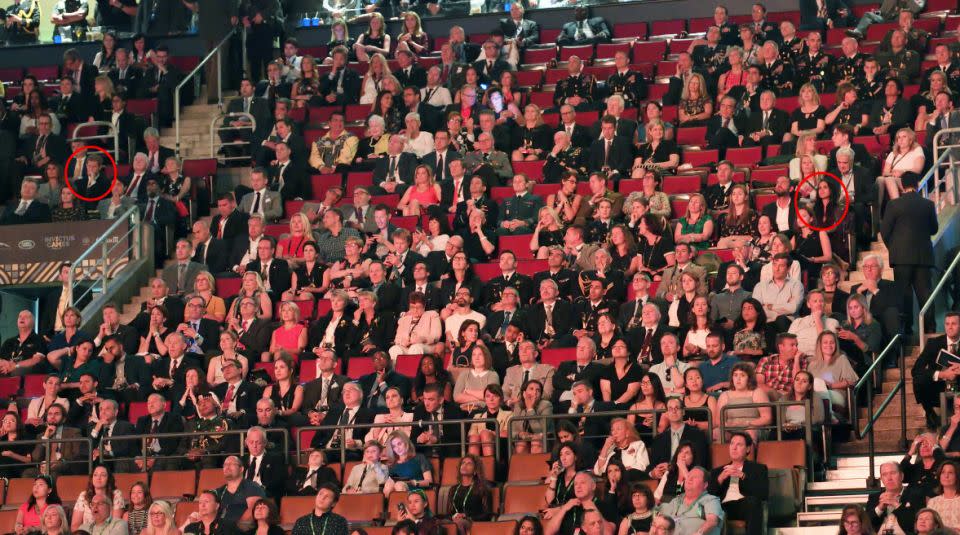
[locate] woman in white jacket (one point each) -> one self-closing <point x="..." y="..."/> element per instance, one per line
<point x="625" y="440"/>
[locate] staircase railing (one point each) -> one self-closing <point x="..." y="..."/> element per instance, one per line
<point x="947" y="275"/>
<point x="218" y="53"/>
<point x="946" y="158"/>
<point x="867" y="381"/>
<point x="112" y="133"/>
<point x="99" y="257"/>
<point x="219" y="125"/>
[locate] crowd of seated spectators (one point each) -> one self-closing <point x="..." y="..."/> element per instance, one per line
<point x="681" y="318"/>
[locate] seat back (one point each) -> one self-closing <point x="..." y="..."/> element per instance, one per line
<point x="528" y="467"/>
<point x="492" y="528"/>
<point x="293" y="507"/>
<point x="523" y="499"/>
<point x="183" y="511"/>
<point x="69" y="487"/>
<point x="449" y="470"/>
<point x="125" y="481"/>
<point x="173" y="484"/>
<point x="359" y="508"/>
<point x="210" y="478"/>
<point x="19" y="490"/>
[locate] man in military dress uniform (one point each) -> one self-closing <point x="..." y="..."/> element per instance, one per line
<point x="566" y="279"/>
<point x="519" y="212"/>
<point x="627" y="83"/>
<point x="791" y="45"/>
<point x="578" y="89"/>
<point x="591" y="306"/>
<point x="508" y="277"/>
<point x="947" y="66"/>
<point x="917" y="38"/>
<point x="564" y="158"/>
<point x="763" y="29"/>
<point x="777" y="74"/>
<point x="493" y="165"/>
<point x="709" y="56"/>
<point x="900" y="62"/>
<point x="870" y="85"/>
<point x="203" y="450"/>
<point x="814" y="66"/>
<point x="849" y="66"/>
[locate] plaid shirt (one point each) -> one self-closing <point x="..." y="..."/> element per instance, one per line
<point x="330" y="247"/>
<point x="778" y="374"/>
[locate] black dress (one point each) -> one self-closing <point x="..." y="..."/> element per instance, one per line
<point x="563" y="490"/>
<point x="10" y="467"/>
<point x="548" y="238"/>
<point x="808" y="248"/>
<point x="654" y="254"/>
<point x="538" y="138"/>
<point x="313" y="279"/>
<point x="660" y="154"/>
<point x="640" y="525"/>
<point x="619" y="385"/>
<point x="807" y="121"/>
<point x="473" y="502"/>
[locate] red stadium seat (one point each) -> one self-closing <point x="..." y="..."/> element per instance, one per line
<point x="408" y="365"/>
<point x="657" y="91"/>
<point x="11" y="75"/>
<point x="652" y="51"/>
<point x="549" y="35"/>
<point x="544" y="99"/>
<point x="276" y="230"/>
<point x="699" y="24"/>
<point x="701" y="158"/>
<point x="725" y="255"/>
<point x="539" y="56"/>
<point x="747" y="156"/>
<point x="629" y="185"/>
<point x="292" y="207"/>
<point x="678" y="205"/>
<point x="323" y="307"/>
<point x="319" y="184"/>
<point x="321" y="114"/>
<point x="33" y="385"/>
<point x="9" y="387"/>
<point x="358" y="178"/>
<point x="554" y="357"/>
<point x="667" y="27"/>
<point x="552" y="76"/>
<point x="767" y="175"/>
<point x="584" y="52"/>
<point x="762" y="199"/>
<point x="268" y="368"/>
<point x="486" y="271"/>
<point x="228" y="286"/>
<point x="695" y="135"/>
<point x="681" y="184"/>
<point x="519" y="245"/>
<point x="633" y="30"/>
<point x="359" y="366"/>
<point x="533" y="170"/>
<point x="44" y="73"/>
<point x="499" y="193"/>
<point x="531" y="267"/>
<point x="138" y="409"/>
<point x="356" y="112"/>
<point x="142" y="107"/>
<point x="408" y="222"/>
<point x="609" y="50"/>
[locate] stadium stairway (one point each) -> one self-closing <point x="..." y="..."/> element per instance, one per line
<point x="194" y="131"/>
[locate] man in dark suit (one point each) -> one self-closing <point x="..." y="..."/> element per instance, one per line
<point x="676" y="82"/>
<point x="895" y="499"/>
<point x="742" y="485"/>
<point x="584" y="30"/>
<point x="491" y="65"/>
<point x="203" y="334"/>
<point x="569" y="372"/>
<point x="724" y="130"/>
<point x="645" y="334"/>
<point x="275" y="86"/>
<point x="551" y="321"/>
<point x="431" y="117"/>
<point x="45" y="147"/>
<point x="768" y="126"/>
<point x="208" y="251"/>
<point x="159" y="420"/>
<point x="929" y="378"/>
<point x="162" y="214"/>
<point x="387" y="292"/>
<point x="248" y="102"/>
<point x="631" y="312"/>
<point x="229" y="223"/>
<point x="611" y="153"/>
<point x="262" y="466"/>
<point x="375" y="384"/>
<point x="431" y="435"/>
<point x="843" y="135"/>
<point x="665" y="444"/>
<point x="409" y="73"/>
<point x="238" y="398"/>
<point x="393" y="172"/>
<point x="126" y="376"/>
<point x="433" y="300"/>
<point x="622" y="126"/>
<point x="455" y="189"/>
<point x="253" y="333"/>
<point x="907" y="226"/>
<point x="342" y="85"/>
<point x="861" y="189"/>
<point x="523" y="32"/>
<point x="288" y="176"/>
<point x="169" y="372"/>
<point x="83" y="74"/>
<point x="579" y="134"/>
<point x="69" y="106"/>
<point x="126" y="126"/>
<point x="85" y="409"/>
<point x="96" y="183"/>
<point x="593" y="429"/>
<point x="126" y="334"/>
<point x="134" y="185"/>
<point x="277" y="272"/>
<point x="27" y="209"/>
<point x="109" y="451"/>
<point x="159" y="295"/>
<point x="782" y="205"/>
<point x="442" y="155"/>
<point x="350" y="412"/>
<point x="126" y="77"/>
<point x="159" y="82"/>
<point x="326" y="390"/>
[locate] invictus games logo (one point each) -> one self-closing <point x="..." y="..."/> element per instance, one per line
<point x="57" y="243"/>
<point x="26" y="245"/>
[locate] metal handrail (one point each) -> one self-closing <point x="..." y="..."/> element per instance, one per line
<point x="252" y="127"/>
<point x="110" y="128"/>
<point x="464" y="423"/>
<point x="47" y="442"/>
<point x="933" y="296"/>
<point x="146" y="438"/>
<point x="867" y="380"/>
<point x="133" y="217"/>
<point x="603" y="414"/>
<point x="935" y="170"/>
<point x="218" y="51"/>
<point x="779" y="406"/>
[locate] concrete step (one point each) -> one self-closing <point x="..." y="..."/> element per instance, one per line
<point x="826" y="519"/>
<point x="833" y="501"/>
<point x="882" y="444"/>
<point x="837" y="486"/>
<point x="852" y="473"/>
<point x="860" y="461"/>
<point x="806" y="530"/>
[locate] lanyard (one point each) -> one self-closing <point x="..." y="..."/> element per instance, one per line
<point x="323" y="531"/>
<point x="463" y="504"/>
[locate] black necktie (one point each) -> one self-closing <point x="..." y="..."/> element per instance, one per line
<point x="440" y="165"/>
<point x="393" y="168"/>
<point x="202" y="253"/>
<point x="256" y="204"/>
<point x="252" y="469"/>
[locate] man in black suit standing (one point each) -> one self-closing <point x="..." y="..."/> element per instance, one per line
<point x="409" y="73"/>
<point x="229" y="223"/>
<point x="523" y="32"/>
<point x="264" y="467"/>
<point x="768" y="126"/>
<point x="907" y="226"/>
<point x="742" y="485"/>
<point x="125" y="124"/>
<point x="275" y="273"/>
<point x="160" y="82"/>
<point x="895" y="508"/>
<point x="83" y="74"/>
<point x="439" y="160"/>
<point x="431" y="435"/>
<point x="929" y="378"/>
<point x="159" y="420"/>
<point x="350" y="412"/>
<point x="611" y="153"/>
<point x="861" y="188"/>
<point x="238" y="398"/>
<point x="665" y="444"/>
<point x="27" y="209"/>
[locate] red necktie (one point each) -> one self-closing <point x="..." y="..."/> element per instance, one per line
<point x="228" y="397"/>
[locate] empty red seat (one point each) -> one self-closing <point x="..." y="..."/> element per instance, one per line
<point x="767" y="175"/>
<point x="9" y="387"/>
<point x="584" y="52"/>
<point x="408" y="365"/>
<point x="681" y="184"/>
<point x="292" y="207"/>
<point x="531" y="267"/>
<point x="519" y="245"/>
<point x="499" y="193"/>
<point x="635" y="30"/>
<point x="228" y="286"/>
<point x="537" y="56"/>
<point x="678" y="205"/>
<point x="529" y="78"/>
<point x="33" y="385"/>
<point x="609" y="50"/>
<point x="691" y="135"/>
<point x="699" y="24"/>
<point x="644" y="51"/>
<point x="44" y="73"/>
<point x="407" y="222"/>
<point x="359" y="366"/>
<point x="762" y="199"/>
<point x="552" y="76"/>
<point x="356" y="112"/>
<point x="268" y="368"/>
<point x="544" y="99"/>
<point x="319" y="184"/>
<point x="657" y="91"/>
<point x="746" y="156"/>
<point x="487" y="271"/>
<point x="142" y="107"/>
<point x="533" y="170"/>
<point x="667" y="27"/>
<point x="701" y="158"/>
<point x="554" y="357"/>
<point x="200" y="167"/>
<point x="549" y="35"/>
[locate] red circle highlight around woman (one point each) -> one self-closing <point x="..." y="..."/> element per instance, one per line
<point x="796" y="202"/>
<point x="66" y="176"/>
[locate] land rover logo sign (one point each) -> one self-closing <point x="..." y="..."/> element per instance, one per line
<point x="26" y="245"/>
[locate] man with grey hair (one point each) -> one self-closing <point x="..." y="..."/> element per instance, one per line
<point x="112" y="453"/>
<point x="102" y="522"/>
<point x="262" y="465"/>
<point x="622" y="126"/>
<point x="419" y="142"/>
<point x="583" y="368"/>
<point x="156" y="154"/>
<point x="350" y="412"/>
<point x="488" y="162"/>
<point x="894" y="510"/>
<point x="393" y="172"/>
<point x="884" y="297"/>
<point x="159" y="420"/>
<point x="695" y="511"/>
<point x="861" y="189"/>
<point x="566" y="517"/>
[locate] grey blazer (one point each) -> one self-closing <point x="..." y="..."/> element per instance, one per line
<point x="272" y="205"/>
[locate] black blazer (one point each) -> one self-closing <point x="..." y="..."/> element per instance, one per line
<point x="100" y="187"/>
<point x="273" y="473"/>
<point x="755" y="482"/>
<point x="120" y="448"/>
<point x="351" y="87"/>
<point x="56" y="148"/>
<point x="256" y="340"/>
<point x="864" y="184"/>
<point x="73" y="110"/>
<point x="406" y="164"/>
<point x="770" y="211"/>
<point x="778" y="124"/>
<point x="37" y="212"/>
<point x="312" y="390"/>
<point x="343" y="335"/>
<point x="625" y="127"/>
<point x="216" y="256"/>
<point x="595" y="429"/>
<point x="660" y="449"/>
<point x="566" y="375"/>
<point x="294" y="180"/>
<point x="621" y="155"/>
<point x="392" y="380"/>
<point x="169" y="423"/>
<point x="581" y="135"/>
<point x="925" y="366"/>
<point x="417" y="77"/>
<point x="272" y="93"/>
<point x="295" y="483"/>
<point x="388" y="297"/>
<point x="628" y="308"/>
<point x="247" y="395"/>
<point x="437" y="260"/>
<point x="491" y="75"/>
<point x="130" y="84"/>
<point x="434" y="299"/>
<point x="164" y="214"/>
<point x="279" y="274"/>
<point x="261" y="111"/>
<point x="635" y="341"/>
<point x="911" y="501"/>
<point x="442" y="177"/>
<point x="88" y="76"/>
<point x="362" y="416"/>
<point x="564" y="320"/>
<point x="907" y="225"/>
<point x="236" y="225"/>
<point x="135" y="371"/>
<point x="447" y="197"/>
<point x="529" y="33"/>
<point x="451" y="432"/>
<point x="601" y="32"/>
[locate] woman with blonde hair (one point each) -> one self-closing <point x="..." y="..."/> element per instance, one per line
<point x="291" y="335"/>
<point x="160" y="521"/>
<point x="228" y="349"/>
<point x="54" y="521"/>
<point x="695" y="104"/>
<point x="412" y="37"/>
<point x="735" y="76"/>
<point x="658" y="151"/>
<point x="373" y="79"/>
<point x="251" y="286"/>
<point x="301" y="232"/>
<point x="375" y="40"/>
<point x="424" y="193"/>
<point x="906" y="155"/>
<point x="810" y="115"/>
<point x="806" y="146"/>
<point x="536" y="137"/>
<point x="547" y="233"/>
<point x="204" y="286"/>
<point x="339" y="36"/>
<point x="696" y="225"/>
<point x="831" y="365"/>
<point x="103" y="87"/>
<point x="408" y="469"/>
